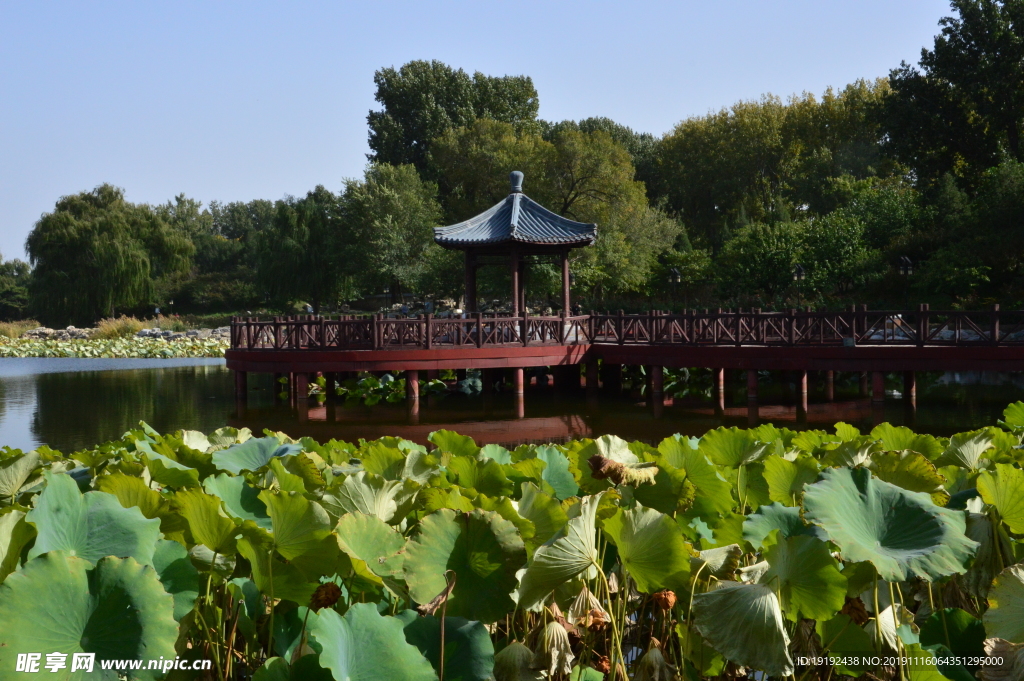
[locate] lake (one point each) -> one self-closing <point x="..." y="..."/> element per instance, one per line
<point x="72" y="404"/>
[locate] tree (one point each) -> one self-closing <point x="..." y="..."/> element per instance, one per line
<point x="966" y="99"/>
<point x="833" y="253"/>
<point x="757" y="264"/>
<point x="766" y="160"/>
<point x="587" y="177"/>
<point x="421" y="100"/>
<point x="389" y="218"/>
<point x="299" y="254"/>
<point x="97" y="252"/>
<point x="14" y="279"/>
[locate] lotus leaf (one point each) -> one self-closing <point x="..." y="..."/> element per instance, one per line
<point x="744" y="622"/>
<point x="967" y="450"/>
<point x="571" y="552"/>
<point x="481" y="548"/>
<point x="720" y="563"/>
<point x="844" y="639"/>
<point x="369" y="539"/>
<point x="899" y="438"/>
<point x="651" y="549"/>
<point x="760" y="524"/>
<point x="209" y="525"/>
<point x="347" y="640"/>
<point x="786" y="479"/>
<point x="911" y="471"/>
<point x="15" y="533"/>
<point x="901" y="533"/>
<point x="252" y="455"/>
<point x="89" y="526"/>
<point x="995" y="550"/>
<point x="485" y="476"/>
<point x="556" y="472"/>
<point x="732" y="447"/>
<point x="271" y="576"/>
<point x="14" y="473"/>
<point x="283" y="479"/>
<point x="670" y="493"/>
<point x="512" y="663"/>
<point x="240" y="499"/>
<point x="809" y="582"/>
<point x="373" y="495"/>
<point x="299" y="524"/>
<point x="468" y="652"/>
<point x="546" y="514"/>
<point x="61" y="603"/>
<point x="497" y="453"/>
<point x="1005" y="615"/>
<point x="177" y="574"/>
<point x="957" y="630"/>
<point x="1004" y="489"/>
<point x="452" y="443"/>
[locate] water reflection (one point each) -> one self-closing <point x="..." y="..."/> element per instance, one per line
<point x="69" y="408"/>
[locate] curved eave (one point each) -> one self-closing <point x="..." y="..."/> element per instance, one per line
<point x="516" y="220"/>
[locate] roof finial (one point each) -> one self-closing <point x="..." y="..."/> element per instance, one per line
<point x="516" y="179"/>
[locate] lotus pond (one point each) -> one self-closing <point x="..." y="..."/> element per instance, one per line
<point x="744" y="553"/>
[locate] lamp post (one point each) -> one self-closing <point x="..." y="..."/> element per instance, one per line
<point x="906" y="270"/>
<point x="799" y="274"/>
<point x="674" y="277"/>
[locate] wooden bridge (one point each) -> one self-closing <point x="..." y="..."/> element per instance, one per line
<point x="855" y="340"/>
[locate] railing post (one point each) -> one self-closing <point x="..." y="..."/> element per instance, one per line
<point x="853" y="322"/>
<point x="862" y="323"/>
<point x="428" y="338"/>
<point x="479" y="329"/>
<point x="715" y="326"/>
<point x="922" y="324"/>
<point x="277" y="333"/>
<point x="995" y="324"/>
<point x="792" y="326"/>
<point x="377" y="341"/>
<point x="620" y="332"/>
<point x="526" y="328"/>
<point x="739" y="326"/>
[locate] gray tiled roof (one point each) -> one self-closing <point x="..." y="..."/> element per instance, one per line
<point x="517" y="219"/>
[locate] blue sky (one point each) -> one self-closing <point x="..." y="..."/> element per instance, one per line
<point x="237" y="101"/>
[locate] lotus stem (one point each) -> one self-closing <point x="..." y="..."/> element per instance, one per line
<point x="896" y="625"/>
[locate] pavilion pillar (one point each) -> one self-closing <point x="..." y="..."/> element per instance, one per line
<point x="522" y="285"/>
<point x="830" y="386"/>
<point x="471" y="265"/>
<point x="565" y="283"/>
<point x="515" y="270"/>
<point x="718" y="377"/>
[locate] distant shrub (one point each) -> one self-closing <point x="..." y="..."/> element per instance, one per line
<point x="15" y="329"/>
<point x="120" y="327"/>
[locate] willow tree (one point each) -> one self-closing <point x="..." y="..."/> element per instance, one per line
<point x="97" y="253"/>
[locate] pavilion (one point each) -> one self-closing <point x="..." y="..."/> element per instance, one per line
<point x="511" y="233"/>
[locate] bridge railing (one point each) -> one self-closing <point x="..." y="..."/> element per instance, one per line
<point x="379" y="332"/>
<point x="856" y="326"/>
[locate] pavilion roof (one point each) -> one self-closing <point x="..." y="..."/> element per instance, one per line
<point x="516" y="219"/>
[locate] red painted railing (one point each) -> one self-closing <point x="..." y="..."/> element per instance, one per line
<point x="857" y="326"/>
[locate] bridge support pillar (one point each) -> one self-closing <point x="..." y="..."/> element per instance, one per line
<point x="830" y="386"/>
<point x="330" y="378"/>
<point x="412" y="384"/>
<point x="657" y="376"/>
<point x="910" y="389"/>
<point x="433" y="374"/>
<point x="801" y="382"/>
<point x="460" y="374"/>
<point x="413" y="410"/>
<point x="751" y="386"/>
<point x="718" y="377"/>
<point x="864" y="384"/>
<point x="877" y="387"/>
<point x="277" y="385"/>
<point x="592" y="377"/>
<point x="241" y="392"/>
<point x="517" y="380"/>
<point x="301" y="387"/>
<point x="611" y="376"/>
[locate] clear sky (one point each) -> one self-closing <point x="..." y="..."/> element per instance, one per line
<point x="242" y="100"/>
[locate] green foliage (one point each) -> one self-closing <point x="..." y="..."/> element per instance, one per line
<point x="295" y="565"/>
<point x="96" y="252"/>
